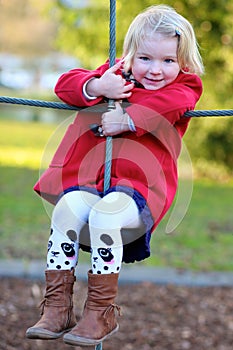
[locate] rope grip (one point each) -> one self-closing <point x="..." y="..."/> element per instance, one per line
<point x="97" y="128"/>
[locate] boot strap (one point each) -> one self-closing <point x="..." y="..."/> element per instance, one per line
<point x="46" y="302"/>
<point x="105" y="308"/>
<point x="112" y="307"/>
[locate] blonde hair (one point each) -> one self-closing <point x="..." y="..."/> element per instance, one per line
<point x="166" y="21"/>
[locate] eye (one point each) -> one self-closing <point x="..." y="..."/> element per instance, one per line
<point x="169" y="60"/>
<point x="105" y="254"/>
<point x="50" y="243"/>
<point x="67" y="247"/>
<point x="143" y="58"/>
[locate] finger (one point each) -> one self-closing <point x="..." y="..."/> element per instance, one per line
<point x="123" y="81"/>
<point x="117" y="104"/>
<point x="126" y="95"/>
<point x="128" y="87"/>
<point x="115" y="67"/>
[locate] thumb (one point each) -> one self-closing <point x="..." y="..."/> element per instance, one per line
<point x="118" y="105"/>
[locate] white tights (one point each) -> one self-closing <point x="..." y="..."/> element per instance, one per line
<point x="105" y="218"/>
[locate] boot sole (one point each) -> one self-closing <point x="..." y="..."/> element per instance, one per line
<point x="81" y="341"/>
<point x="40" y="333"/>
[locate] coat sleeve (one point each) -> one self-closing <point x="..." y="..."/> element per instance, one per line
<point x="149" y="108"/>
<point x="69" y="87"/>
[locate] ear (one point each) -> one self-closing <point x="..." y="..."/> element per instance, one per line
<point x="72" y="235"/>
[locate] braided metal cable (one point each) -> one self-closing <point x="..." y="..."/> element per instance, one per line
<point x="36" y="103"/>
<point x="101" y="109"/>
<point x="111" y="105"/>
<point x="112" y="33"/>
<point x="210" y="113"/>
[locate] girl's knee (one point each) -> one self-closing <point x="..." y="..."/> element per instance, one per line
<point x="115" y="210"/>
<point x="98" y="218"/>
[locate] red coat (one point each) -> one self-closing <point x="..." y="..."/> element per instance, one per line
<point x="145" y="160"/>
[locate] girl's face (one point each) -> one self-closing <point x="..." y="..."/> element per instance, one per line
<point x="155" y="62"/>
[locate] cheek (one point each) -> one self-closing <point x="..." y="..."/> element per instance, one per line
<point x="175" y="71"/>
<point x="137" y="70"/>
<point x="171" y="75"/>
<point x="72" y="258"/>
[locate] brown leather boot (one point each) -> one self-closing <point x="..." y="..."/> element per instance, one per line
<point x="57" y="306"/>
<point x="98" y="321"/>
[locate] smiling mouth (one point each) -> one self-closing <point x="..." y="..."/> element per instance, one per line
<point x="153" y="80"/>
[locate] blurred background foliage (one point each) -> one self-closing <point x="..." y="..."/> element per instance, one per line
<point x="80" y="28"/>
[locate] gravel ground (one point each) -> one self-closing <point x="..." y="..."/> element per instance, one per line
<point x="158" y="317"/>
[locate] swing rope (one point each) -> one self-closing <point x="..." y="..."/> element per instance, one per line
<point x="101" y="109"/>
<point x="111" y="104"/>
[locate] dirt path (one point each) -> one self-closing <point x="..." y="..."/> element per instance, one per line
<point x="154" y="317"/>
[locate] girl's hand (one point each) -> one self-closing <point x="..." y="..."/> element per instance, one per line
<point x="115" y="121"/>
<point x="110" y="85"/>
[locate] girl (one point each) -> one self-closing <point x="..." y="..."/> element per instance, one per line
<point x="158" y="77"/>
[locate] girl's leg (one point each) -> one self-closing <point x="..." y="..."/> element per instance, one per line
<point x="69" y="216"/>
<point x="108" y="217"/>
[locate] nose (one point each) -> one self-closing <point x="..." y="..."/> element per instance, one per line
<point x="155" y="67"/>
<point x="55" y="254"/>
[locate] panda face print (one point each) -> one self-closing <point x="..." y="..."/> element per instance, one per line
<point x="105" y="254"/>
<point x="66" y="248"/>
<point x="61" y="254"/>
<point x="104" y="261"/>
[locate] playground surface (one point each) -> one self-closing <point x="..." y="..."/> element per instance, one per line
<point x="155" y="316"/>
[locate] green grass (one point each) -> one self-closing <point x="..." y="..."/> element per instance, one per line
<point x="22" y="143"/>
<point x="202" y="241"/>
<point x="24" y="222"/>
